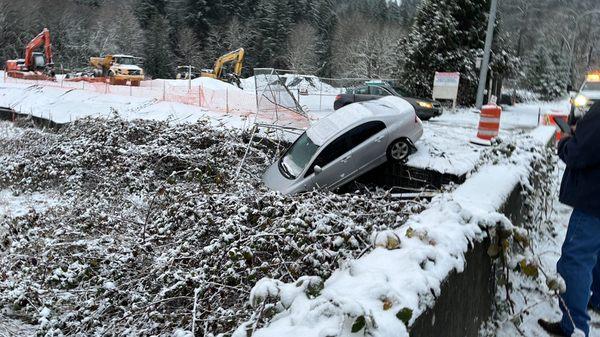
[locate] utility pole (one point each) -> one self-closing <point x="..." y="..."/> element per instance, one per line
<point x="486" y="54"/>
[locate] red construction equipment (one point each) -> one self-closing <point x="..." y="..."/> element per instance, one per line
<point x="35" y="65"/>
<point x="489" y="124"/>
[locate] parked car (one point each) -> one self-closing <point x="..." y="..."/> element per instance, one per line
<point x="346" y="144"/>
<point x="424" y="107"/>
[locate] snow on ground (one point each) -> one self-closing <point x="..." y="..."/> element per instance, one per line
<point x="445" y="145"/>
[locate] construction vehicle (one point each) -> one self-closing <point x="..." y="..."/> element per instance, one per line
<point x="119" y="69"/>
<point x="227" y="68"/>
<point x="35" y="65"/>
<point x="588" y="94"/>
<point x="187" y="73"/>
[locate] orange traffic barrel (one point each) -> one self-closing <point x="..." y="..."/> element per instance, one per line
<point x="489" y="124"/>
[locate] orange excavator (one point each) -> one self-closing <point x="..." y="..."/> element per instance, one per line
<point x="35" y="65"/>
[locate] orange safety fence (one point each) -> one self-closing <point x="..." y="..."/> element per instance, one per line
<point x="223" y="100"/>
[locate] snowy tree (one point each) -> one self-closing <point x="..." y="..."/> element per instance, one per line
<point x="547" y="73"/>
<point x="189" y="49"/>
<point x="372" y="53"/>
<point x="325" y="18"/>
<point x="301" y="53"/>
<point x="147" y="9"/>
<point x="273" y="21"/>
<point x="446" y="36"/>
<point x="158" y="58"/>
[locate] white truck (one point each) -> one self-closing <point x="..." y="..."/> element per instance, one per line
<point x="588" y="94"/>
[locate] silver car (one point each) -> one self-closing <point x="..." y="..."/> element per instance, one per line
<point x="345" y="144"/>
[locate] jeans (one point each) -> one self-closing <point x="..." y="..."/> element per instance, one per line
<point x="579" y="266"/>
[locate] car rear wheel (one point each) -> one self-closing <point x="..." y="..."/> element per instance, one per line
<point x="399" y="150"/>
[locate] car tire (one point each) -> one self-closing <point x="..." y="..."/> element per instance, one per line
<point x="399" y="150"/>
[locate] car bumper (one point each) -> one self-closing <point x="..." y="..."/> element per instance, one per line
<point x="121" y="77"/>
<point x="429" y="113"/>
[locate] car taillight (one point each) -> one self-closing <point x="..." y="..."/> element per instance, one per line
<point x="338" y="97"/>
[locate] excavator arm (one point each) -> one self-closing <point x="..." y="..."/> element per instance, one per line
<point x="43" y="38"/>
<point x="236" y="56"/>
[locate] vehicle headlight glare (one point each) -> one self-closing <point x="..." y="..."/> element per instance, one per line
<point x="426" y="105"/>
<point x="580" y="101"/>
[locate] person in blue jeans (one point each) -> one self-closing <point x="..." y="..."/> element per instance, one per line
<point x="579" y="264"/>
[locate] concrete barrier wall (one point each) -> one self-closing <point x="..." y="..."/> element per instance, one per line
<point x="467" y="298"/>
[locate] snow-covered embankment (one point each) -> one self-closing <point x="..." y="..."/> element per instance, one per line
<point x="386" y="290"/>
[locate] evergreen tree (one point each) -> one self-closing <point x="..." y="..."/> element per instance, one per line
<point x="158" y="57"/>
<point x="547" y="73"/>
<point x="407" y="11"/>
<point x="146" y="10"/>
<point x="325" y="19"/>
<point x="447" y="35"/>
<point x="273" y="22"/>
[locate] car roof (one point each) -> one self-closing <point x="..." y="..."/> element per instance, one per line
<point x="356" y="114"/>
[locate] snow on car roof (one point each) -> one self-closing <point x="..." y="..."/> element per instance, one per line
<point x="350" y="115"/>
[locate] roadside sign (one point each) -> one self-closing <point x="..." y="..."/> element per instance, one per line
<point x="445" y="86"/>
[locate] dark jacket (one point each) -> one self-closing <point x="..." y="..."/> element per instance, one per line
<point x="580" y="186"/>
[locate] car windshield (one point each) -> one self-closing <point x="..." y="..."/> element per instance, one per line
<point x="297" y="157"/>
<point x="126" y="60"/>
<point x="591" y="86"/>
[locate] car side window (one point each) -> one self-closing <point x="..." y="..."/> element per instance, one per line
<point x="331" y="152"/>
<point x="345" y="143"/>
<point x="379" y="91"/>
<point x="362" y="91"/>
<point x="363" y="132"/>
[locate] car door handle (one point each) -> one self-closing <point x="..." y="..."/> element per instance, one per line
<point x="345" y="159"/>
<point x="379" y="139"/>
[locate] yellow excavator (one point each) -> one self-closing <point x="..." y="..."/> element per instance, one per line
<point x="228" y="68"/>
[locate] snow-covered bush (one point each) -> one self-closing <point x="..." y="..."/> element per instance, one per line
<point x="154" y="235"/>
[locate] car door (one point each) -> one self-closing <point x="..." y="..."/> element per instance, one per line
<point x="368" y="142"/>
<point x="335" y="161"/>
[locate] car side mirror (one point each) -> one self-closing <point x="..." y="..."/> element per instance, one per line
<point x="317" y="169"/>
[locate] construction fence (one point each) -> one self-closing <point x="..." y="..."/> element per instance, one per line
<point x="276" y="96"/>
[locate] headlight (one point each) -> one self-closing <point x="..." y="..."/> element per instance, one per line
<point x="425" y="105"/>
<point x="580" y="101"/>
